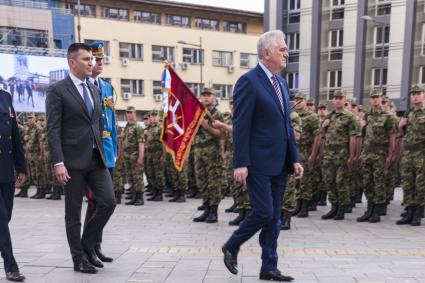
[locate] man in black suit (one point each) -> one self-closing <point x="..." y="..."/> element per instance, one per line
<point x="11" y="159"/>
<point x="74" y="136"/>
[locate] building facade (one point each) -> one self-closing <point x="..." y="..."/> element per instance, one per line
<point x="356" y="45"/>
<point x="207" y="46"/>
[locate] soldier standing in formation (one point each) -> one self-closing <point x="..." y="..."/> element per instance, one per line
<point x="376" y="157"/>
<point x="33" y="155"/>
<point x="208" y="160"/>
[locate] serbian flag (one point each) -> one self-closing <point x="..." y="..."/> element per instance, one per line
<point x="183" y="114"/>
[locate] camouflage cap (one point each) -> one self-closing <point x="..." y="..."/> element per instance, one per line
<point x="322" y="105"/>
<point x="41" y="117"/>
<point x="208" y="90"/>
<point x="353" y="103"/>
<point x="130" y="109"/>
<point x="299" y="95"/>
<point x="340" y="93"/>
<point x="310" y="102"/>
<point x="416" y="88"/>
<point x="146" y="117"/>
<point x="154" y="112"/>
<point x="31" y="115"/>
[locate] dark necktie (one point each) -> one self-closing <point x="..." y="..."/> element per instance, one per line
<point x="87" y="101"/>
<point x="278" y="92"/>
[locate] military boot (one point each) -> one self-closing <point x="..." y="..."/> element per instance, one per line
<point x="139" y="199"/>
<point x="312" y="204"/>
<point x="340" y="212"/>
<point x="171" y="194"/>
<point x="152" y="196"/>
<point x="130" y="195"/>
<point x="304" y="209"/>
<point x="368" y="213"/>
<point x="241" y="216"/>
<point x="322" y="198"/>
<point x="376" y="214"/>
<point x="132" y="200"/>
<point x="201" y="207"/>
<point x="286" y="220"/>
<point x="232" y="207"/>
<point x="331" y="213"/>
<point x="181" y="197"/>
<point x="118" y="197"/>
<point x="23" y="193"/>
<point x="417" y="216"/>
<point x="407" y="218"/>
<point x="204" y="215"/>
<point x="193" y="193"/>
<point x="39" y="194"/>
<point x="213" y="216"/>
<point x="384" y="209"/>
<point x="298" y="207"/>
<point x="359" y="196"/>
<point x="48" y="190"/>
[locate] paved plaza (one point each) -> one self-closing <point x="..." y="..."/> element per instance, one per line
<point x="158" y="242"/>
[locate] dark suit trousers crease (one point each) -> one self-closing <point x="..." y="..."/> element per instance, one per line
<point x="265" y="194"/>
<point x="98" y="178"/>
<point x="7" y="191"/>
<point x="91" y="207"/>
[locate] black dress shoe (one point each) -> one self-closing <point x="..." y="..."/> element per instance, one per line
<point x="84" y="267"/>
<point x="230" y="261"/>
<point x="92" y="258"/>
<point x="15" y="276"/>
<point x="275" y="276"/>
<point x="101" y="256"/>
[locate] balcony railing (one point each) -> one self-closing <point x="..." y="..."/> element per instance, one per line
<point x="33" y="5"/>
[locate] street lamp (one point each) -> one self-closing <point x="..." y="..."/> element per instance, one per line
<point x="201" y="55"/>
<point x="382" y="25"/>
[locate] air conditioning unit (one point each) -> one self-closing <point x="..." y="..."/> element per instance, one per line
<point x="174" y="66"/>
<point x="184" y="65"/>
<point x="126" y="95"/>
<point x="230" y="68"/>
<point x="125" y="61"/>
<point x="157" y="97"/>
<point x="107" y="60"/>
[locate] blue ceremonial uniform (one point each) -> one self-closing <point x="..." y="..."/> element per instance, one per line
<point x="110" y="140"/>
<point x="11" y="159"/>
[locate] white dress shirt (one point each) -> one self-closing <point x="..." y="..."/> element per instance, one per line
<point x="77" y="82"/>
<point x="267" y="71"/>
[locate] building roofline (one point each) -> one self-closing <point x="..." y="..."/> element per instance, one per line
<point x="170" y="3"/>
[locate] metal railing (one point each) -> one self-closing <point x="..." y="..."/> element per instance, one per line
<point x="51" y="52"/>
<point x="34" y="5"/>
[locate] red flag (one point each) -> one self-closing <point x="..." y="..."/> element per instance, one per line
<point x="183" y="114"/>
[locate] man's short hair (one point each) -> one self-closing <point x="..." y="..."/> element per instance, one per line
<point x="268" y="41"/>
<point x="73" y="48"/>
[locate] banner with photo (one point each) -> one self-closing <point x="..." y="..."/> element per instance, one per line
<point x="27" y="78"/>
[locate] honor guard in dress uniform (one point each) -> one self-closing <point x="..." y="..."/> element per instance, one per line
<point x="11" y="159"/>
<point x="109" y="134"/>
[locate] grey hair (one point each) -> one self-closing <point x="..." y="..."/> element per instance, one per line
<point x="268" y="41"/>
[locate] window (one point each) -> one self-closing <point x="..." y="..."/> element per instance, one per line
<point x="423" y="40"/>
<point x="379" y="37"/>
<point x="115" y="13"/>
<point x="294" y="11"/>
<point x="383" y="7"/>
<point x="222" y="58"/>
<point x="337" y="9"/>
<point x="161" y="53"/>
<point x="223" y="91"/>
<point x="292" y="79"/>
<point x="293" y="41"/>
<point x="196" y="88"/>
<point x="336" y="41"/>
<point x="135" y="87"/>
<point x="85" y="9"/>
<point x="131" y="50"/>
<point x="203" y="23"/>
<point x="236" y="27"/>
<point x="334" y="82"/>
<point x="193" y="56"/>
<point x="24" y="37"/>
<point x="422" y="75"/>
<point x="248" y="60"/>
<point x="376" y="78"/>
<point x="181" y="21"/>
<point x="147" y="17"/>
<point x="157" y="91"/>
<point x="106" y="49"/>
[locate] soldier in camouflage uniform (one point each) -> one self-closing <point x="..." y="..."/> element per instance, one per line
<point x="23" y="133"/>
<point x="340" y="132"/>
<point x="33" y="154"/>
<point x="178" y="180"/>
<point x="45" y="184"/>
<point x="147" y="123"/>
<point x="394" y="171"/>
<point x="292" y="185"/>
<point x="132" y="154"/>
<point x="376" y="157"/>
<point x="308" y="145"/>
<point x="412" y="164"/>
<point x="311" y="106"/>
<point x="154" y="150"/>
<point x="239" y="193"/>
<point x="191" y="179"/>
<point x="119" y="172"/>
<point x="322" y="193"/>
<point x="208" y="160"/>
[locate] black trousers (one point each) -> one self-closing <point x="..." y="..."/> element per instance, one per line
<point x="91" y="208"/>
<point x="7" y="191"/>
<point x="97" y="177"/>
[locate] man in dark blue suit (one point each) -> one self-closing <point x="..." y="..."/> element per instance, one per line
<point x="11" y="159"/>
<point x="264" y="152"/>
